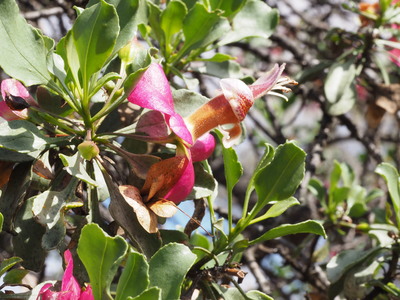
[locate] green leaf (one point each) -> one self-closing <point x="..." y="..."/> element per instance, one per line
<point x="101" y="256"/>
<point x="218" y="57"/>
<point x="257" y="295"/>
<point x="391" y="176"/>
<point x="1" y="222"/>
<point x="153" y="293"/>
<point x="339" y="87"/>
<point x="48" y="206"/>
<point x="277" y="209"/>
<point x="15" y="276"/>
<point x="256" y="19"/>
<point x="7" y="264"/>
<point x="136" y="271"/>
<point x="23" y="136"/>
<point x="172" y="22"/>
<point x="168" y="268"/>
<point x="13" y="156"/>
<point x="186" y="101"/>
<point x="347" y="261"/>
<point x="308" y="226"/>
<point x="91" y="41"/>
<point x="205" y="184"/>
<point x="23" y="50"/>
<point x="27" y="244"/>
<point x="225" y="69"/>
<point x="233" y="168"/>
<point x="75" y="166"/>
<point x="280" y="179"/>
<point x="229" y="7"/>
<point x="201" y="28"/>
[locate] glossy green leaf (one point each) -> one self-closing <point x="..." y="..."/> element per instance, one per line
<point x="278" y="208"/>
<point x="345" y="261"/>
<point x="7" y="264"/>
<point x="153" y="293"/>
<point x="130" y="14"/>
<point x="233" y="168"/>
<point x="391" y="176"/>
<point x="168" y="268"/>
<point x="23" y="50"/>
<point x="229" y="7"/>
<point x="280" y="179"/>
<point x="1" y="221"/>
<point x="256" y="19"/>
<point x="225" y="69"/>
<point x="28" y="241"/>
<point x="257" y="295"/>
<point x="339" y="87"/>
<point x="75" y="166"/>
<point x="23" y="136"/>
<point x="173" y="236"/>
<point x="9" y="155"/>
<point x="49" y="205"/>
<point x="91" y="40"/>
<point x="136" y="271"/>
<point x="101" y="256"/>
<point x="15" y="276"/>
<point x="205" y="184"/>
<point x="186" y="101"/>
<point x="267" y="157"/>
<point x="218" y="57"/>
<point x="202" y="28"/>
<point x="309" y="226"/>
<point x="172" y="22"/>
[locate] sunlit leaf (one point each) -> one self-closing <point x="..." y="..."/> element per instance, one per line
<point x="309" y="226"/>
<point x="135" y="271"/>
<point x="75" y="166"/>
<point x="101" y="256"/>
<point x="391" y="176"/>
<point x="168" y="268"/>
<point x="256" y="19"/>
<point x="23" y="50"/>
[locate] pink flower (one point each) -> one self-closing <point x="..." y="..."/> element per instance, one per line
<point x="192" y="136"/>
<point x="16" y="100"/>
<point x="70" y="289"/>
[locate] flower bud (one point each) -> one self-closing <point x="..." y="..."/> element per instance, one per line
<point x="88" y="150"/>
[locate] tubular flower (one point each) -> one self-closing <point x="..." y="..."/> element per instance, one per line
<point x="16" y="100"/>
<point x="70" y="289"/>
<point x="227" y="109"/>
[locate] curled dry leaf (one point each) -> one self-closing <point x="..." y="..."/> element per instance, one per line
<point x="163" y="208"/>
<point x="146" y="217"/>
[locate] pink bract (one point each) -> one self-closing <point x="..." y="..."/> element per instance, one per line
<point x="153" y="92"/>
<point x="70" y="289"/>
<point x="14" y="88"/>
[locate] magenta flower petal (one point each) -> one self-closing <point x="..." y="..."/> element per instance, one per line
<point x="203" y="147"/>
<point x="153" y="92"/>
<point x="9" y="114"/>
<point x="184" y="185"/>
<point x="177" y="125"/>
<point x="87" y="294"/>
<point x="69" y="283"/>
<point x="46" y="294"/>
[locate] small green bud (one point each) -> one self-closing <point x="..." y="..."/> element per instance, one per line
<point x="364" y="227"/>
<point x="88" y="150"/>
